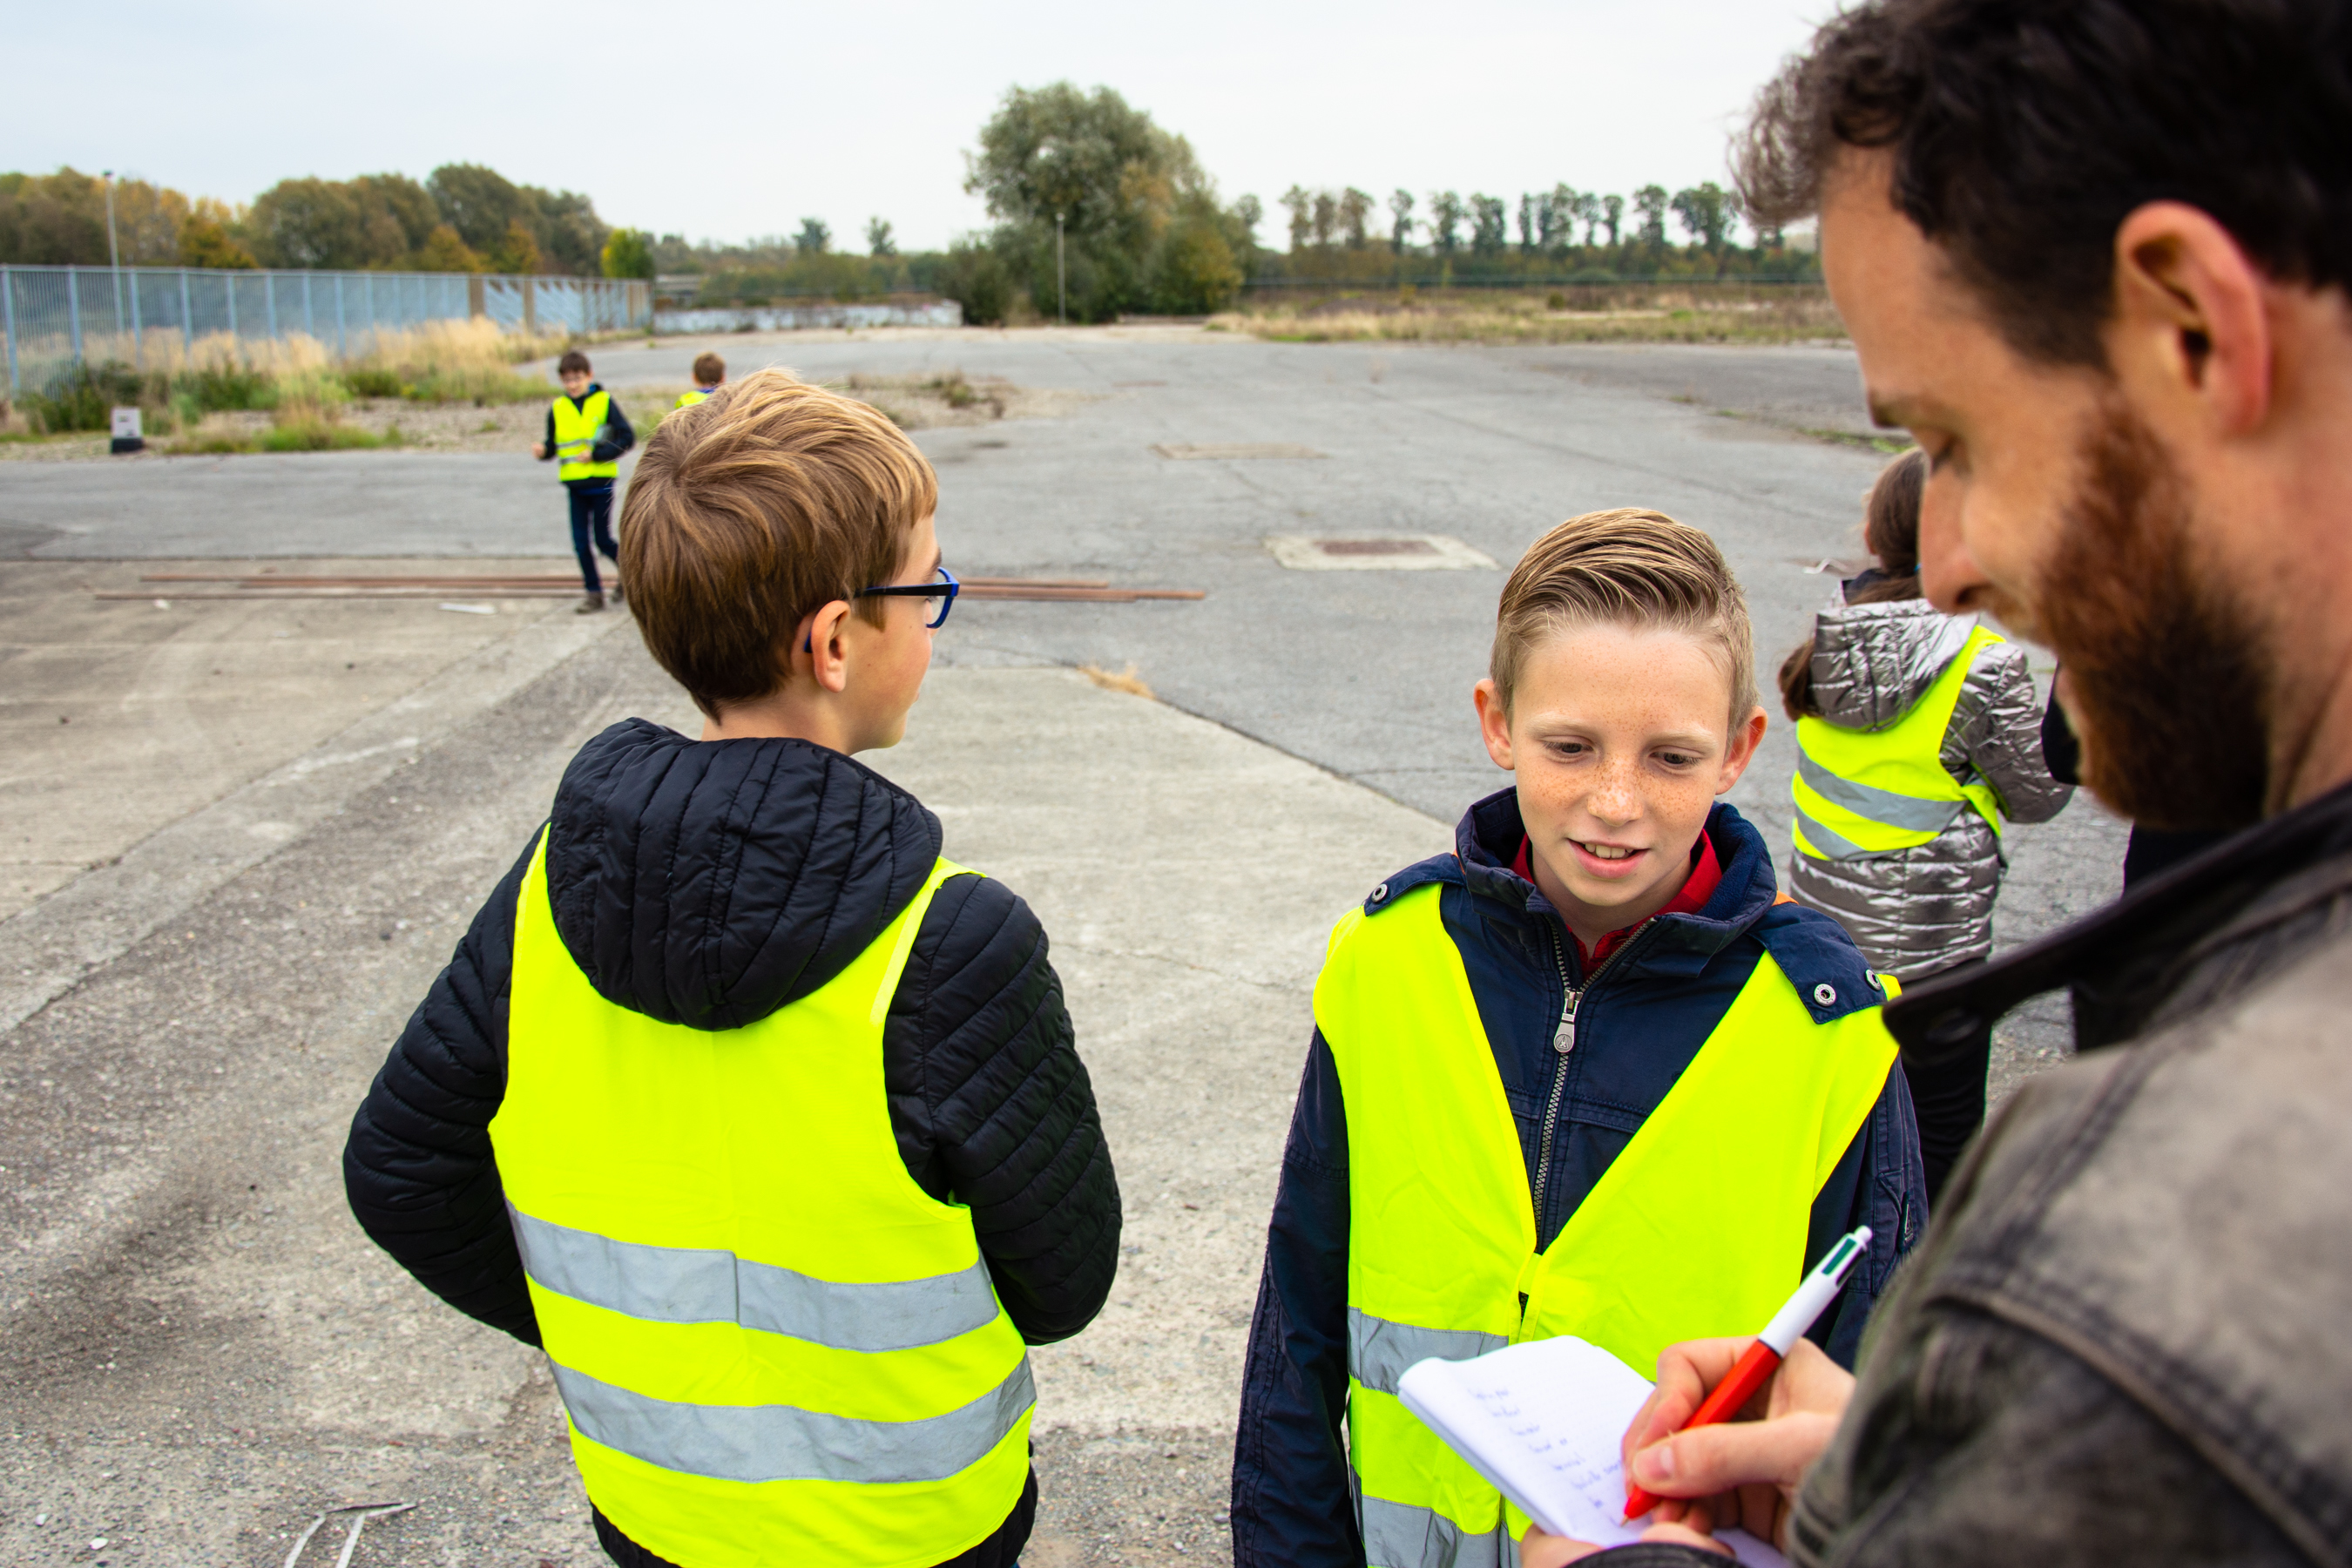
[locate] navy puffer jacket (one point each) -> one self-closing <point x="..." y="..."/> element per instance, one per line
<point x="708" y="884"/>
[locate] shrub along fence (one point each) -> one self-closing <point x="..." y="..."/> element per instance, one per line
<point x="156" y="317"/>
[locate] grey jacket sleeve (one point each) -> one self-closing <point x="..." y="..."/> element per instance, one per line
<point x="1973" y="1441"/>
<point x="1996" y="731"/>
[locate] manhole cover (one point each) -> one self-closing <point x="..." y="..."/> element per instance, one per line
<point x="1216" y="449"/>
<point x="1387" y="552"/>
<point x="1375" y="546"/>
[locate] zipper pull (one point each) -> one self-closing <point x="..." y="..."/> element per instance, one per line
<point x="1564" y="1041"/>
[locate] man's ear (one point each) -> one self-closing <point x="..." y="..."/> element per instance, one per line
<point x="1494" y="722"/>
<point x="2190" y="316"/>
<point x="1744" y="739"/>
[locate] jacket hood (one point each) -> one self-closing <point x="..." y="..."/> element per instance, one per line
<point x="709" y="883"/>
<point x="1873" y="662"/>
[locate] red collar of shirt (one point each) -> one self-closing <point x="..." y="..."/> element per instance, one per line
<point x="1707" y="872"/>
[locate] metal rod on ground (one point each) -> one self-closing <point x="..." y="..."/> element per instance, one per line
<point x="366" y="1510"/>
<point x="514" y="580"/>
<point x="257" y="595"/>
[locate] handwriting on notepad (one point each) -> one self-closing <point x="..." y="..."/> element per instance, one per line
<point x="1599" y="1480"/>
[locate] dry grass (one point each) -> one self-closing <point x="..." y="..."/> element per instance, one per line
<point x="1662" y="314"/>
<point x="1126" y="680"/>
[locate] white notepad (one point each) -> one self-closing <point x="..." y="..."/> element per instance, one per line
<point x="1542" y="1421"/>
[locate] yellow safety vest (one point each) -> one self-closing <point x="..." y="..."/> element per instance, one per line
<point x="772" y="1346"/>
<point x="1696" y="1229"/>
<point x="689" y="399"/>
<point x="578" y="427"/>
<point x="1873" y="792"/>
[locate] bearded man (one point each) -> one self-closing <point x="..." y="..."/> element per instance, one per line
<point x="2094" y="254"/>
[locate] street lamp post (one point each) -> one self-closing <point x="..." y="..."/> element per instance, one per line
<point x="1061" y="277"/>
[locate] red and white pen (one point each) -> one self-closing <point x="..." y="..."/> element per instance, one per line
<point x="1814" y="1293"/>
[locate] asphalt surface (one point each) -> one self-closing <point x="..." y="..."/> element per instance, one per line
<point x="202" y="1352"/>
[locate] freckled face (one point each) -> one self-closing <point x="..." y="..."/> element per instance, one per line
<point x="1620" y="741"/>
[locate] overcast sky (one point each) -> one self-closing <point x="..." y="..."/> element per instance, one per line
<point x="725" y="120"/>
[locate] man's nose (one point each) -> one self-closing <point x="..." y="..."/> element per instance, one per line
<point x="1948" y="574"/>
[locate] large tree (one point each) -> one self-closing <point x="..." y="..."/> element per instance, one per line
<point x="1140" y="222"/>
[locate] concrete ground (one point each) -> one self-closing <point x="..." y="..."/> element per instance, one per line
<point x="203" y="1351"/>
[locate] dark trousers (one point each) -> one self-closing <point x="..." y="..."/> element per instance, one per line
<point x="1947" y="1079"/>
<point x="592" y="520"/>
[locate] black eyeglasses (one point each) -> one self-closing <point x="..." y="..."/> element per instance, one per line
<point x="943" y="591"/>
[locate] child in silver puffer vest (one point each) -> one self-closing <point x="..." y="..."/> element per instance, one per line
<point x="1920" y="734"/>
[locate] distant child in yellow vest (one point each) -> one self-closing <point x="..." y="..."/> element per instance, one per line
<point x="1587" y="1075"/>
<point x="709" y="373"/>
<point x="587" y="432"/>
<point x="763" y="1120"/>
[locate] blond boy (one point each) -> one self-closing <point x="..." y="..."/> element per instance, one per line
<point x="1584" y="1076"/>
<point x="763" y="1119"/>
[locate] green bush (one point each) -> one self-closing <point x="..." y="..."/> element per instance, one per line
<point x="224" y="387"/>
<point x="374" y="381"/>
<point x="974" y="276"/>
<point x="84" y="396"/>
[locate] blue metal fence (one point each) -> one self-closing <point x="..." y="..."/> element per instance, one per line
<point x="162" y="317"/>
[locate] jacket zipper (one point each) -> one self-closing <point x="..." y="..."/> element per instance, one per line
<point x="1563" y="1041"/>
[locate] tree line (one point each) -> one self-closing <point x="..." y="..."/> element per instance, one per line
<point x="463" y="217"/>
<point x="1563" y="235"/>
<point x="1095" y="210"/>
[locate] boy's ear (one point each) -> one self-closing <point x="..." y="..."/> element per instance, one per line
<point x="1744" y="739"/>
<point x="1494" y="722"/>
<point x="822" y="648"/>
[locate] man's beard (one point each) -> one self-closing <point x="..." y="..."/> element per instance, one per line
<point x="2165" y="679"/>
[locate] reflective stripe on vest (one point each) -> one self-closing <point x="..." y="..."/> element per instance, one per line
<point x="1698" y="1228"/>
<point x="1873" y="792"/>
<point x="578" y="427"/>
<point x="772" y="1344"/>
<point x="689" y="399"/>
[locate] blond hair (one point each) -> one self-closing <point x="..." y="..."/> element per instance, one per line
<point x="1629" y="568"/>
<point x="749" y="511"/>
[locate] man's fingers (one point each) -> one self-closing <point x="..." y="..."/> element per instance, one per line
<point x="1685" y="1372"/>
<point x="1710" y="1459"/>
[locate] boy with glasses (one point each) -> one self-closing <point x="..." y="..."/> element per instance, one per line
<point x="763" y="1120"/>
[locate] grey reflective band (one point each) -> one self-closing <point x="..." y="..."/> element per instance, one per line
<point x="1380" y="1350"/>
<point x="1399" y="1535"/>
<point x="784" y="1443"/>
<point x="693" y="1285"/>
<point x="1832" y="846"/>
<point x="1880" y="805"/>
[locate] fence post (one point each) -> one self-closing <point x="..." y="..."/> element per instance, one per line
<point x="228" y="292"/>
<point x="309" y="327"/>
<point x="477" y="304"/>
<point x="530" y="308"/>
<point x="9" y="320"/>
<point x="138" y="335"/>
<point x="269" y="301"/>
<point x="73" y="311"/>
<point x="188" y="319"/>
<point x="342" y="346"/>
